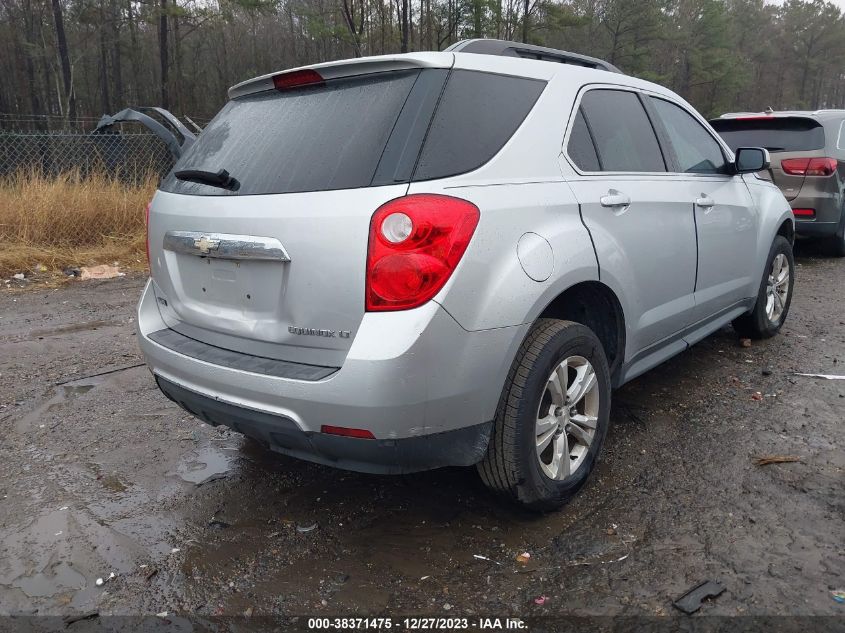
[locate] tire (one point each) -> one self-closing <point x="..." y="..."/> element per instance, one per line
<point x="761" y="321"/>
<point x="513" y="466"/>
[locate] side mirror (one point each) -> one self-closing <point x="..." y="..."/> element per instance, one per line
<point x="751" y="159"/>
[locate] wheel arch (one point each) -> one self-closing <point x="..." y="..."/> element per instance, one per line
<point x="787" y="230"/>
<point x="594" y="305"/>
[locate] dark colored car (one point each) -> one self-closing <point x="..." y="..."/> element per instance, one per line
<point x="808" y="164"/>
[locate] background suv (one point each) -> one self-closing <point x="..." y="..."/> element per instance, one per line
<point x="397" y="263"/>
<point x="808" y="164"/>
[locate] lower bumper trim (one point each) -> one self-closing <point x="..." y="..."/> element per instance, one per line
<point x="460" y="447"/>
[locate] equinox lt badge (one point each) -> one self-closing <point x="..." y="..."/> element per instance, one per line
<point x="310" y="331"/>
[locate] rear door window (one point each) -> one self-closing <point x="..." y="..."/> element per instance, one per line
<point x="776" y="134"/>
<point x="696" y="151"/>
<point x="477" y="114"/>
<point x="624" y="138"/>
<point x="307" y="139"/>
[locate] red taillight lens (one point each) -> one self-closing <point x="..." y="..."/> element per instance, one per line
<point x="147" y="226"/>
<point x="809" y="166"/>
<point x="363" y="434"/>
<point x="415" y="244"/>
<point x="306" y="77"/>
<point x="804" y="213"/>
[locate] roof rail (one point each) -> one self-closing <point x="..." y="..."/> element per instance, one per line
<point x="529" y="51"/>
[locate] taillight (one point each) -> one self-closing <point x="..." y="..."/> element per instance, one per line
<point x="804" y="213"/>
<point x="415" y="244"/>
<point x="305" y="77"/>
<point x="809" y="166"/>
<point x="147" y="226"/>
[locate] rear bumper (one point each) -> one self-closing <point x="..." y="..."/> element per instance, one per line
<point x="826" y="222"/>
<point x="460" y="447"/>
<point x="408" y="375"/>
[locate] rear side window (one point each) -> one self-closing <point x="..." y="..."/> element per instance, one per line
<point x="477" y="114"/>
<point x="580" y="147"/>
<point x="696" y="151"/>
<point x="776" y="134"/>
<point x="308" y="139"/>
<point x="624" y="138"/>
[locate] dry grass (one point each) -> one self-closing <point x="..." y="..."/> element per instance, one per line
<point x="71" y="221"/>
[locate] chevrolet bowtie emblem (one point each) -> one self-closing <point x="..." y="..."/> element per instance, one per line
<point x="204" y="244"/>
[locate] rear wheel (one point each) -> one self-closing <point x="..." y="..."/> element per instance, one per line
<point x="774" y="295"/>
<point x="552" y="417"/>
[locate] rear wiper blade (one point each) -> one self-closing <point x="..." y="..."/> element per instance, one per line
<point x="215" y="178"/>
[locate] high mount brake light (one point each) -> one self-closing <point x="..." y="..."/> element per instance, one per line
<point x="297" y="78"/>
<point x="809" y="166"/>
<point x="415" y="244"/>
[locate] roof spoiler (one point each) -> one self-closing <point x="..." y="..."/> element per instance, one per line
<point x="529" y="51"/>
<point x="169" y="133"/>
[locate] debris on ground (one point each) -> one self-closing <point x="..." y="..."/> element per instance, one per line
<point x="825" y="376"/>
<point x="175" y="550"/>
<point x="757" y="395"/>
<point x="541" y="600"/>
<point x="19" y="276"/>
<point x="490" y="560"/>
<point x="100" y="581"/>
<point x="618" y="560"/>
<point x="103" y="271"/>
<point x="523" y="558"/>
<point x="691" y="601"/>
<point x="745" y="342"/>
<point x="303" y="529"/>
<point x="40" y="268"/>
<point x="765" y="460"/>
<point x="838" y="596"/>
<point x="217" y="524"/>
<point x="766" y="371"/>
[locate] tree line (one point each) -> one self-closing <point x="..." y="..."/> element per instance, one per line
<point x="73" y="60"/>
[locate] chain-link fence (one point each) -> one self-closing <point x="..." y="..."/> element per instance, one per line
<point x="128" y="157"/>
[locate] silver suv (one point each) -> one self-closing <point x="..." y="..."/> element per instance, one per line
<point x="399" y="263"/>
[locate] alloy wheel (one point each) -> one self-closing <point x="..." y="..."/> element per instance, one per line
<point x="567" y="418"/>
<point x="777" y="288"/>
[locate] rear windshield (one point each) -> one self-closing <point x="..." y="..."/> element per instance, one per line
<point x="782" y="134"/>
<point x="365" y="131"/>
<point x="308" y="139"/>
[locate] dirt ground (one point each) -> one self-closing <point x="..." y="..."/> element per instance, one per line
<point x="100" y="474"/>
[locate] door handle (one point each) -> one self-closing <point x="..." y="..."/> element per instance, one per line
<point x="615" y="198"/>
<point x="705" y="202"/>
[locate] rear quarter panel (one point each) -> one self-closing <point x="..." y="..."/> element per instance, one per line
<point x="774" y="211"/>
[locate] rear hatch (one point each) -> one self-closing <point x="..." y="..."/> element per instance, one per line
<point x="785" y="137"/>
<point x="269" y="257"/>
<point x="272" y="262"/>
